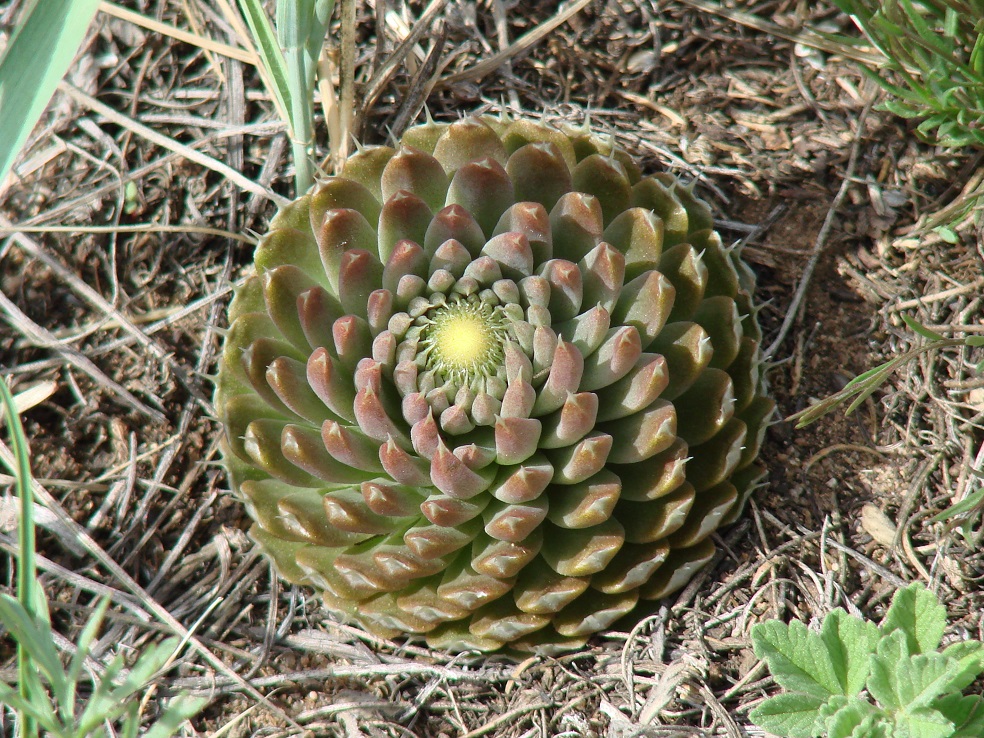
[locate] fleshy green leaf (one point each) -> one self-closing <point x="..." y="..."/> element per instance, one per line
<point x="792" y="715"/>
<point x="919" y="615"/>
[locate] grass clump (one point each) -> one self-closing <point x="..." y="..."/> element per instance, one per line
<point x="934" y="51"/>
<point x="49" y="695"/>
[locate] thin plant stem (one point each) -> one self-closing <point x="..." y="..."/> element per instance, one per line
<point x="301" y="110"/>
<point x="26" y="563"/>
<point x="346" y="76"/>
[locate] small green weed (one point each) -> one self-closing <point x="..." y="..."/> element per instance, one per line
<point x="864" y="385"/>
<point x="55" y="700"/>
<point x="855" y="679"/>
<point x="49" y="695"/>
<point x="934" y="51"/>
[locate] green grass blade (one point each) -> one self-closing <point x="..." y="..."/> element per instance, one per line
<point x="45" y="40"/>
<point x="301" y="28"/>
<point x="74" y="671"/>
<point x="26" y="566"/>
<point x="272" y="62"/>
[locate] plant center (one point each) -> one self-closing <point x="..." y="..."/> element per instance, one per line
<point x="463" y="341"/>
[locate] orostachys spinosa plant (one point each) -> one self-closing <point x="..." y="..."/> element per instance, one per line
<point x="492" y="387"/>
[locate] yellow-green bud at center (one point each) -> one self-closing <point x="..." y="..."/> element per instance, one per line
<point x="462" y="340"/>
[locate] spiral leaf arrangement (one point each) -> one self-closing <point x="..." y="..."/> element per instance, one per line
<point x="493" y="387"/>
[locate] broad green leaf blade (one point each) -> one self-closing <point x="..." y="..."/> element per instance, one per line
<point x="797" y="658"/>
<point x="919" y="615"/>
<point x="47" y="36"/>
<point x="850" y="641"/>
<point x="791" y="715"/>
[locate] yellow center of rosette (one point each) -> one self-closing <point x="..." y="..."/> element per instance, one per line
<point x="462" y="340"/>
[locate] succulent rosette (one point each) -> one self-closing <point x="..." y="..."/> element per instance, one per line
<point x="492" y="387"/>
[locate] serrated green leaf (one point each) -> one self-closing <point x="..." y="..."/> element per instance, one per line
<point x="790" y="715"/>
<point x="891" y="651"/>
<point x="965" y="712"/>
<point x="850" y="642"/>
<point x="855" y="718"/>
<point x="797" y="658"/>
<point x="912" y="683"/>
<point x="969" y="657"/>
<point x="922" y="723"/>
<point x="918" y="614"/>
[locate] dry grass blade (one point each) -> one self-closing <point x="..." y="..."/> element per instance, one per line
<point x="758" y="112"/>
<point x="793" y="314"/>
<point x="385" y="73"/>
<point x="179" y="34"/>
<point x="804" y="36"/>
<point x="346" y="77"/>
<point x="99" y="302"/>
<point x="144" y="228"/>
<point x="519" y="46"/>
<point x="43" y="338"/>
<point x="169" y="143"/>
<point x="95" y="550"/>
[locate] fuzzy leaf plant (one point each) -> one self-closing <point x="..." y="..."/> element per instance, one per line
<point x="855" y="679"/>
<point x="493" y="387"/>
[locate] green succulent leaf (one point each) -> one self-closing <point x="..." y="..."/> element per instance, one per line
<point x="492" y="386"/>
